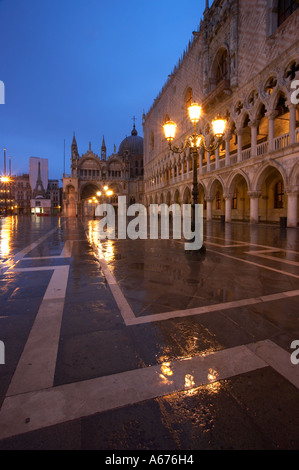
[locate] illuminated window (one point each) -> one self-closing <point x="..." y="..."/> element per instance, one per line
<point x="278" y="195"/>
<point x="284" y="9"/>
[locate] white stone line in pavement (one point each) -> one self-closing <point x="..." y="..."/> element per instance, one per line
<point x="238" y="245"/>
<point x="267" y="247"/>
<point x="35" y="410"/>
<point x="123" y="305"/>
<point x="65" y="253"/>
<point x="278" y="359"/>
<point x="261" y="254"/>
<point x="211" y="308"/>
<point x="36" y="367"/>
<point x="285" y="273"/>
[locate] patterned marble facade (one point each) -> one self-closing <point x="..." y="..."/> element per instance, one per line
<point x="242" y="63"/>
<point x="121" y="172"/>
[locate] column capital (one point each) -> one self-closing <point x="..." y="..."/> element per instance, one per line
<point x="254" y="194"/>
<point x="271" y="114"/>
<point x="228" y="196"/>
<point x="254" y="123"/>
<point x="292" y="191"/>
<point x="240" y="131"/>
<point x="227" y="135"/>
<point x="290" y="105"/>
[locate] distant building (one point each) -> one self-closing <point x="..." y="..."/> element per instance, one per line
<point x="121" y="172"/>
<point x="54" y="194"/>
<point x="22" y="193"/>
<point x="38" y="176"/>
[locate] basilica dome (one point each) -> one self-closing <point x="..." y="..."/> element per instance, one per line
<point x="133" y="144"/>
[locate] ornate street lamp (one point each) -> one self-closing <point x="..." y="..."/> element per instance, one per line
<point x="195" y="141"/>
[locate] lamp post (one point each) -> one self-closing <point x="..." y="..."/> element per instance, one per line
<point x="195" y="141"/>
<point x="94" y="199"/>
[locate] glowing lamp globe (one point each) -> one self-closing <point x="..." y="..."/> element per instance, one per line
<point x="219" y="127"/>
<point x="194" y="111"/>
<point x="169" y="130"/>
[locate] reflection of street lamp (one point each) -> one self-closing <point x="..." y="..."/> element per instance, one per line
<point x="195" y="142"/>
<point x="5" y="180"/>
<point x="93" y="201"/>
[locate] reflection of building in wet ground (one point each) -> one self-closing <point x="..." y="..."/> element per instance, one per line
<point x="138" y="332"/>
<point x="31" y="192"/>
<point x="240" y="64"/>
<point x="121" y="172"/>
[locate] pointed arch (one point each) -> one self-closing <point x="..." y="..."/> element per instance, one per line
<point x="256" y="184"/>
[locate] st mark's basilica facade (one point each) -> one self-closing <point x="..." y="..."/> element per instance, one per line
<point x="96" y="178"/>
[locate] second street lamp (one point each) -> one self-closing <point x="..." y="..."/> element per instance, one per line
<point x="195" y="141"/>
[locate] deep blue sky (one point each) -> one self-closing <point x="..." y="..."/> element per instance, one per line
<point x="84" y="66"/>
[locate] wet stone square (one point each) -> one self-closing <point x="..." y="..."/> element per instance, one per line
<point x="141" y="345"/>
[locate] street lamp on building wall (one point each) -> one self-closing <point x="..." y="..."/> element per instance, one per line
<point x="195" y="141"/>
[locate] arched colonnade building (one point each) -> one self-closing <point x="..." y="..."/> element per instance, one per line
<point x="243" y="63"/>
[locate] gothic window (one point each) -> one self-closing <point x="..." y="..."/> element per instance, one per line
<point x="152" y="141"/>
<point x="188" y="98"/>
<point x="222" y="68"/>
<point x="278" y="195"/>
<point x="291" y="70"/>
<point x="234" y="200"/>
<point x="284" y="9"/>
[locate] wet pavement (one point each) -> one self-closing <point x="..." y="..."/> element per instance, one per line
<point x="140" y="345"/>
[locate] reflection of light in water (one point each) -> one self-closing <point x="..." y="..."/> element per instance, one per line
<point x="106" y="247"/>
<point x="109" y="251"/>
<point x="165" y="368"/>
<point x="214" y="387"/>
<point x="5" y="236"/>
<point x="212" y="375"/>
<point x="189" y="381"/>
<point x="166" y="372"/>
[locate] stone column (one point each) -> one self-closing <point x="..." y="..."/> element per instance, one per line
<point x="208" y="162"/>
<point x="292" y="123"/>
<point x="292" y="209"/>
<point x="228" y="207"/>
<point x="254" y="206"/>
<point x="217" y="158"/>
<point x="227" y="141"/>
<point x="271" y="116"/>
<point x="253" y="126"/>
<point x="209" y="207"/>
<point x="239" y="134"/>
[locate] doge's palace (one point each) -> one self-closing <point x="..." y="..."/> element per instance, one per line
<point x="241" y="63"/>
